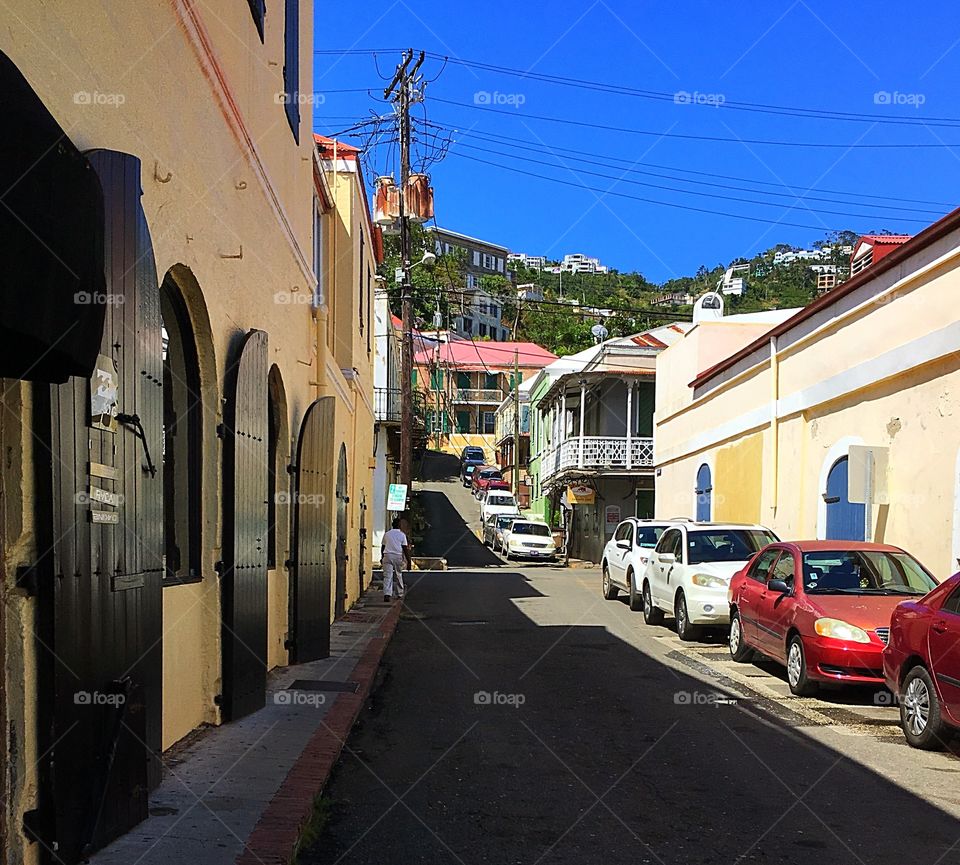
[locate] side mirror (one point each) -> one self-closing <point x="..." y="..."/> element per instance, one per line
<point x="666" y="558"/>
<point x="624" y="545"/>
<point x="778" y="586"/>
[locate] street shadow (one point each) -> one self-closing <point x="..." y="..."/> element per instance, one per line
<point x="438" y="467"/>
<point x="450" y="536"/>
<point x="498" y="736"/>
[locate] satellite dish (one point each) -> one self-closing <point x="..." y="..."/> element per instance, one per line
<point x="709" y="307"/>
<point x="600" y="333"/>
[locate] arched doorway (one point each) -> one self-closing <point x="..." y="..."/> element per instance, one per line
<point x="845" y="519"/>
<point x="704" y="493"/>
<point x="182" y="438"/>
<point x="343" y="500"/>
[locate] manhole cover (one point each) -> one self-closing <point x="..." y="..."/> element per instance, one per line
<point x="322" y="685"/>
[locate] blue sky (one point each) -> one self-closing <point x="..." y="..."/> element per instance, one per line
<point x="805" y="54"/>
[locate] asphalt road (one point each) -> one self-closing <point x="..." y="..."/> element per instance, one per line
<point x="520" y="718"/>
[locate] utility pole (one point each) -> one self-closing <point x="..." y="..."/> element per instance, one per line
<point x="403" y="84"/>
<point x="516" y="422"/>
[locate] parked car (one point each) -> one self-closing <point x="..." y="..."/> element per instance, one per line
<point x="467" y="475"/>
<point x="625" y="557"/>
<point x="472" y="456"/>
<point x="495" y="530"/>
<point x="530" y="539"/>
<point x="690" y="570"/>
<point x="498" y="502"/>
<point x="921" y="664"/>
<point x="488" y="478"/>
<point x="832" y="622"/>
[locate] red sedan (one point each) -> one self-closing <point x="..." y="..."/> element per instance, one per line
<point x="487" y="478"/>
<point x="822" y="608"/>
<point x="922" y="665"/>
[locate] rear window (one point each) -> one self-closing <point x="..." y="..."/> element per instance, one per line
<point x="726" y="545"/>
<point x="492" y="474"/>
<point x="504" y="522"/>
<point x="500" y="501"/>
<point x="531" y="529"/>
<point x="647" y="536"/>
<point x="864" y="572"/>
<point x="473" y="454"/>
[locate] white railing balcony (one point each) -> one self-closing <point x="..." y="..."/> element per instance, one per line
<point x="613" y="454"/>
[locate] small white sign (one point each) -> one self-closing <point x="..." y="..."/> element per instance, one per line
<point x="397" y="497"/>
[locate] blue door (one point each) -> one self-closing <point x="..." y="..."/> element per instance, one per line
<point x="704" y="493"/>
<point x="844" y="518"/>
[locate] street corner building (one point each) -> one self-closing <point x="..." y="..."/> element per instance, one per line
<point x="834" y="421"/>
<point x="187" y="423"/>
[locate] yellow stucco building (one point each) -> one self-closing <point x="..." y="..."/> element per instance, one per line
<point x="777" y="422"/>
<point x="161" y="513"/>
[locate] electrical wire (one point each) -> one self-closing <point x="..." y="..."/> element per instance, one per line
<point x="859" y="145"/>
<point x="679" y="96"/>
<point x="631" y="164"/>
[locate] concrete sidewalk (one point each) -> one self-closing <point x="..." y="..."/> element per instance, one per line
<point x="241" y="793"/>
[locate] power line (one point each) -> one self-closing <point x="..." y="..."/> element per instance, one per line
<point x="598" y="158"/>
<point x="683" y="97"/>
<point x="622" y="179"/>
<point x="689" y="137"/>
<point x="672" y="204"/>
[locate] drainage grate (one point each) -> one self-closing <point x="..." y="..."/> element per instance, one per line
<point x="475" y="622"/>
<point x="323" y="685"/>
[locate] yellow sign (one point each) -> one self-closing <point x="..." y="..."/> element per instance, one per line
<point x="581" y="494"/>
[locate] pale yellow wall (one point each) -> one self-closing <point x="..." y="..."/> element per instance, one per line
<point x="227" y="193"/>
<point x="881" y="368"/>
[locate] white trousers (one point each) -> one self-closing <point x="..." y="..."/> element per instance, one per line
<point x="393" y="571"/>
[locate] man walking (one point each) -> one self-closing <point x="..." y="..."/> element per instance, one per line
<point x="394" y="554"/>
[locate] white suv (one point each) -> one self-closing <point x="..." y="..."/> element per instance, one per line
<point x="690" y="569"/>
<point x="499" y="502"/>
<point x="625" y="557"/>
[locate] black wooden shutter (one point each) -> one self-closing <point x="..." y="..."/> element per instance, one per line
<point x="258" y="8"/>
<point x="245" y="525"/>
<point x="312" y="517"/>
<point x="291" y="65"/>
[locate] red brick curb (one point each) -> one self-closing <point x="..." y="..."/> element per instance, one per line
<point x="274" y="838"/>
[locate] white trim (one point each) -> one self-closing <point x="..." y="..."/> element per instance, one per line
<point x="840" y="449"/>
<point x="898" y="361"/>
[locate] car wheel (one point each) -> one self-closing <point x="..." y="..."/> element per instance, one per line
<point x="800" y="683"/>
<point x="636" y="600"/>
<point x="920" y="712"/>
<point x="651" y="615"/>
<point x="739" y="650"/>
<point x="610" y="591"/>
<point x="685" y="631"/>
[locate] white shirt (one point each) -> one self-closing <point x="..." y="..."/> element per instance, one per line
<point x="393" y="542"/>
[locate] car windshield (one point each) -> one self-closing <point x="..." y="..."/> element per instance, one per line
<point x="501" y="501"/>
<point x="473" y="454"/>
<point x="864" y="572"/>
<point x="504" y="522"/>
<point x="531" y="529"/>
<point x="647" y="536"/>
<point x="725" y="545"/>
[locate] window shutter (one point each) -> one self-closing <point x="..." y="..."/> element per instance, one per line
<point x="291" y="65"/>
<point x="258" y="8"/>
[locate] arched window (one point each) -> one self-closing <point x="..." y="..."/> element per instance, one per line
<point x="182" y="432"/>
<point x="704" y="491"/>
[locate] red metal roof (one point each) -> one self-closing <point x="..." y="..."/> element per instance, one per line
<point x="467" y="354"/>
<point x="885" y="238"/>
<point x="344" y="151"/>
<point x="648" y="341"/>
<point x="930" y="235"/>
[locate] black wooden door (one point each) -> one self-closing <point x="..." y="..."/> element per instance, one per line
<point x="100" y="628"/>
<point x="310" y="583"/>
<point x="340" y="593"/>
<point x="245" y="525"/>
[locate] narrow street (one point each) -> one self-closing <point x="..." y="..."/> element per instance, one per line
<point x="522" y="718"/>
